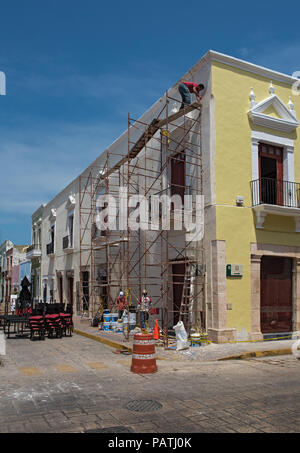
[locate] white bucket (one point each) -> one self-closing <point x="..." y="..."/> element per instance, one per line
<point x="132" y="318"/>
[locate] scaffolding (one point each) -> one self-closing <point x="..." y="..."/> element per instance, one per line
<point x="163" y="158"/>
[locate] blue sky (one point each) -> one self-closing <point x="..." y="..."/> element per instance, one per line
<point x="74" y="70"/>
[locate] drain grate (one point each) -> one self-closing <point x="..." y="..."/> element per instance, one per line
<point x="113" y="429"/>
<point x="143" y="405"/>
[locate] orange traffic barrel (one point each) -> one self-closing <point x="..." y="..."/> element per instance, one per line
<point x="143" y="354"/>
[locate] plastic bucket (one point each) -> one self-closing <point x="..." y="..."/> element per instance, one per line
<point x="106" y="326"/>
<point x="195" y="340"/>
<point x="107" y="317"/>
<point x="114" y="317"/>
<point x="132" y="326"/>
<point x="132" y="318"/>
<point x="119" y="327"/>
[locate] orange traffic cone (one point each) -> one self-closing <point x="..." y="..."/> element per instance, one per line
<point x="156" y="335"/>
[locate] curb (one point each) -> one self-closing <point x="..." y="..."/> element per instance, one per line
<point x="106" y="341"/>
<point x="251" y="354"/>
<point x="245" y="355"/>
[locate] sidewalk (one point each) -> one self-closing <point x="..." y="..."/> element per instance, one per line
<point x="210" y="352"/>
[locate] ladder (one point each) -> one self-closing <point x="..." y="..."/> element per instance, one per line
<point x="186" y="296"/>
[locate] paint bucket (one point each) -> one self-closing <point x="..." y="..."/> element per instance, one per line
<point x="106" y="326"/>
<point x="114" y="317"/>
<point x="204" y="338"/>
<point x="132" y="318"/>
<point x="195" y="339"/>
<point x="119" y="327"/>
<point x="107" y="317"/>
<point x="113" y="326"/>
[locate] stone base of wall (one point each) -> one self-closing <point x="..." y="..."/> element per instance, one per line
<point x="221" y="335"/>
<point x="85" y="320"/>
<point x="256" y="336"/>
<point x="296" y="335"/>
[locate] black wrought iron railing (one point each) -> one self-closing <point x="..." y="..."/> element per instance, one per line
<point x="275" y="192"/>
<point x="50" y="248"/>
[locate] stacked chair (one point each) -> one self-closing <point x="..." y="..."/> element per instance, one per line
<point x="56" y="325"/>
<point x="37" y="327"/>
<point x="66" y="323"/>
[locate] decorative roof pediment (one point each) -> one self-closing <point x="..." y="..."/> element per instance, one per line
<point x="52" y="215"/>
<point x="272" y="113"/>
<point x="71" y="202"/>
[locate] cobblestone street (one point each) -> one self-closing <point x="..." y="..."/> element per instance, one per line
<point x="78" y="385"/>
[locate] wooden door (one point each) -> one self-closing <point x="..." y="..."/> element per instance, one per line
<point x="271" y="174"/>
<point x="60" y="288"/>
<point x="178" y="175"/>
<point x="276" y="294"/>
<point x="71" y="289"/>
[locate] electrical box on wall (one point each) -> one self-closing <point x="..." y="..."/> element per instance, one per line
<point x="234" y="270"/>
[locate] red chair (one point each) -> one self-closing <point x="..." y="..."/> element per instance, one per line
<point x="54" y="325"/>
<point x="37" y="326"/>
<point x="67" y="323"/>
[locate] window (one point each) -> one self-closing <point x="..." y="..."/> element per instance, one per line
<point x="50" y="246"/>
<point x="52" y="233"/>
<point x="51" y="291"/>
<point x="60" y="289"/>
<point x="33" y="239"/>
<point x="271" y="174"/>
<point x="45" y="293"/>
<point x="39" y="235"/>
<point x="70" y="229"/>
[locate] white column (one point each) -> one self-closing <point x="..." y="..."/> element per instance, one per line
<point x="288" y="164"/>
<point x="255" y="167"/>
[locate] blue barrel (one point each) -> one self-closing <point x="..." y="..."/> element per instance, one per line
<point x="107" y="317"/>
<point x="114" y="317"/>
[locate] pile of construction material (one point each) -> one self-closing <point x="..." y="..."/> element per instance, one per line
<point x="112" y="322"/>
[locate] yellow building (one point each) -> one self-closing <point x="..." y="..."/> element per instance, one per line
<point x="253" y="254"/>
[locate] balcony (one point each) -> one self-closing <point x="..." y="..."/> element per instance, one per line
<point x="277" y="197"/>
<point x="33" y="251"/>
<point x="67" y="243"/>
<point x="50" y="248"/>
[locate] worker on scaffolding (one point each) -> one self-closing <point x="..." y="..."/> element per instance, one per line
<point x="121" y="303"/>
<point x="188" y="88"/>
<point x="143" y="307"/>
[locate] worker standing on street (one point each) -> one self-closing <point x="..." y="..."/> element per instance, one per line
<point x="121" y="303"/>
<point x="188" y="88"/>
<point x="144" y="305"/>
